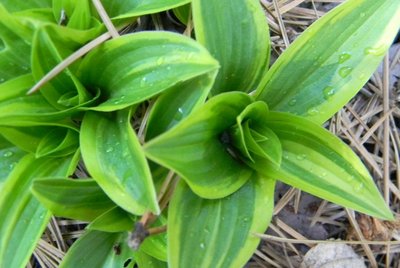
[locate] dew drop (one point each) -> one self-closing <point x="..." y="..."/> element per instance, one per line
<point x="358" y="187"/>
<point x="206" y="231"/>
<point x="328" y="92"/>
<point x="301" y="157"/>
<point x="285" y="156"/>
<point x="245" y="219"/>
<point x="362" y="76"/>
<point x="362" y="14"/>
<point x="160" y="61"/>
<point x="202" y="246"/>
<point x="312" y="111"/>
<point x="323" y="174"/>
<point x="344" y="57"/>
<point x="2" y="80"/>
<point x="292" y="102"/>
<point x="375" y="51"/>
<point x="109" y="149"/>
<point x="168" y="68"/>
<point x="189" y="56"/>
<point x="179" y="114"/>
<point x="8" y="154"/>
<point x="345" y="71"/>
<point x="143" y="81"/>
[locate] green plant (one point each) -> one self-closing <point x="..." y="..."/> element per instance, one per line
<point x="257" y="125"/>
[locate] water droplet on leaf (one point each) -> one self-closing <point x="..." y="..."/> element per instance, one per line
<point x="202" y="246"/>
<point x="313" y="111"/>
<point x="328" y="92"/>
<point x="375" y="51"/>
<point x="301" y="157"/>
<point x="344" y="57"/>
<point x="345" y="71"/>
<point x="143" y="81"/>
<point x="109" y="149"/>
<point x="292" y="102"/>
<point x="160" y="61"/>
<point x="8" y="154"/>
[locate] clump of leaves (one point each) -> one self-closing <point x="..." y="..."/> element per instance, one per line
<point x="220" y="128"/>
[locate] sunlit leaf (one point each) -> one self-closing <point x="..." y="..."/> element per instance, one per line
<point x="138" y="66"/>
<point x="80" y="199"/>
<point x="12" y="5"/>
<point x="23" y="218"/>
<point x="218" y="233"/>
<point x="99" y="249"/>
<point x="236" y="34"/>
<point x="194" y="149"/>
<point x="330" y="62"/>
<point x="114" y="157"/>
<point x="316" y="161"/>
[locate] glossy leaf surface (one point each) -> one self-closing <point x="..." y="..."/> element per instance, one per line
<point x="114" y="220"/>
<point x="9" y="156"/>
<point x="23" y="218"/>
<point x="177" y="103"/>
<point x="218" y="233"/>
<point x="126" y="8"/>
<point x="138" y="66"/>
<point x="194" y="150"/>
<point x="330" y="62"/>
<point x="316" y="161"/>
<point x="114" y="157"/>
<point x="236" y="34"/>
<point x="80" y="199"/>
<point x="98" y="249"/>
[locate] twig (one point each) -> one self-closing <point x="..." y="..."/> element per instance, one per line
<point x="105" y="18"/>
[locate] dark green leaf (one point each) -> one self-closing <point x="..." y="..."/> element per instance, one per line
<point x="113" y="220"/>
<point x="316" y="161"/>
<point x="58" y="142"/>
<point x="23" y="218"/>
<point x="138" y="66"/>
<point x="114" y="157"/>
<point x="80" y="199"/>
<point x="218" y="233"/>
<point x="194" y="150"/>
<point x="236" y="34"/>
<point x="329" y="63"/>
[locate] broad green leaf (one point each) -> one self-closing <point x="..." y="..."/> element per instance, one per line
<point x="127" y="8"/>
<point x="218" y="233"/>
<point x="316" y="161"/>
<point x="13" y="6"/>
<point x="177" y="103"/>
<point x="58" y="142"/>
<point x="113" y="220"/>
<point x="80" y="199"/>
<point x="194" y="149"/>
<point x="34" y="110"/>
<point x="9" y="157"/>
<point x="26" y="138"/>
<point x="236" y="34"/>
<point x="100" y="250"/>
<point x="16" y="87"/>
<point x="144" y="260"/>
<point x="138" y="66"/>
<point x="23" y="218"/>
<point x="52" y="44"/>
<point x="330" y="62"/>
<point x="15" y="40"/>
<point x="115" y="159"/>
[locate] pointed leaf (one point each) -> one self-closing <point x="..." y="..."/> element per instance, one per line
<point x="218" y="233"/>
<point x="193" y="148"/>
<point x="241" y="45"/>
<point x="23" y="218"/>
<point x="114" y="220"/>
<point x="98" y="249"/>
<point x="114" y="157"/>
<point x="138" y="66"/>
<point x="330" y="62"/>
<point x="177" y="103"/>
<point x="58" y="142"/>
<point x="316" y="161"/>
<point x="126" y="8"/>
<point x="80" y="199"/>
